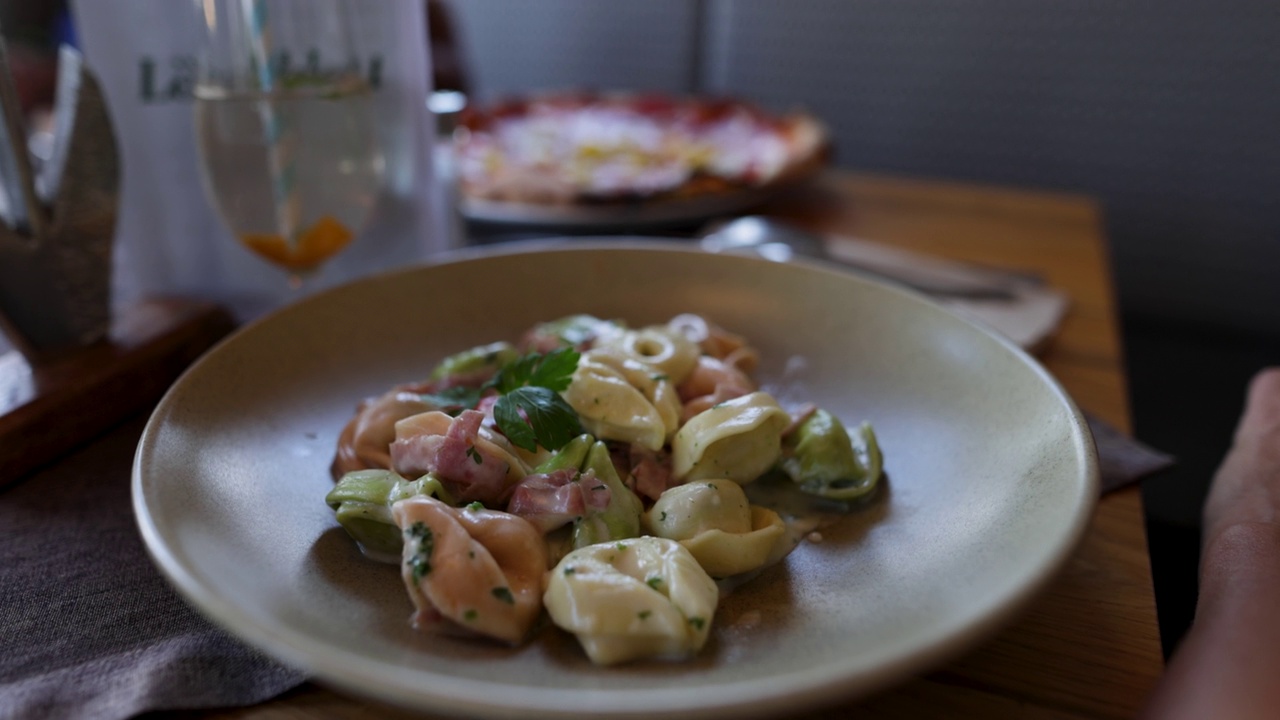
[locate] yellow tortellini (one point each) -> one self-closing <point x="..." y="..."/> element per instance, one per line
<point x="738" y="439"/>
<point x="644" y="597"/>
<point x="659" y="346"/>
<point x="620" y="398"/>
<point x="714" y="521"/>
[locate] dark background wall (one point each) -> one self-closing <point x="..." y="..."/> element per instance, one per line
<point x="1167" y="111"/>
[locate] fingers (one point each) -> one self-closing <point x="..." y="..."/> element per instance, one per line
<point x="1261" y="418"/>
<point x="1246" y="488"/>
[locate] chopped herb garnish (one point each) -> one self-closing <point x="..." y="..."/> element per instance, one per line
<point x="663" y="516"/>
<point x="659" y="378"/>
<point x="644" y="614"/>
<point x="470" y="615"/>
<point x="504" y="594"/>
<point x="477" y="505"/>
<point x="697" y="622"/>
<point x="570" y="570"/>
<point x="622" y="546"/>
<point x="420" y="561"/>
<point x="654" y="582"/>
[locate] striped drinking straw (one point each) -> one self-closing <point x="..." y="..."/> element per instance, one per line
<point x="279" y="145"/>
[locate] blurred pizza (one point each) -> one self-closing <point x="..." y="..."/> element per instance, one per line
<point x="624" y="150"/>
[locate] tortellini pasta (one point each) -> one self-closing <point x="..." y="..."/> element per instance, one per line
<point x="620" y="398"/>
<point x="714" y="521"/>
<point x="645" y="597"/>
<point x="513" y="456"/>
<point x="481" y="361"/>
<point x="667" y="350"/>
<point x="481" y="569"/>
<point x="715" y="341"/>
<point x="366" y="440"/>
<point x="474" y="462"/>
<point x="738" y="439"/>
<point x="824" y="459"/>
<point x="573" y="330"/>
<point x="362" y="500"/>
<point x="621" y="517"/>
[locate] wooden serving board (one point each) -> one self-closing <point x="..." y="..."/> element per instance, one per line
<point x="57" y="404"/>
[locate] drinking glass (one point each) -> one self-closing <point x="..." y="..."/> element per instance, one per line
<point x="288" y="145"/>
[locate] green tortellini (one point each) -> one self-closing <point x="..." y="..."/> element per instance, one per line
<point x="621" y="517"/>
<point x="362" y="502"/>
<point x="487" y="358"/>
<point x="645" y="597"/>
<point x="576" y="330"/>
<point x="823" y="459"/>
<point x="739" y="439"/>
<point x="572" y="455"/>
<point x="714" y="521"/>
<point x="620" y="398"/>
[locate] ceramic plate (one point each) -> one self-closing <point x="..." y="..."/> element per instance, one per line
<point x="616" y="216"/>
<point x="992" y="478"/>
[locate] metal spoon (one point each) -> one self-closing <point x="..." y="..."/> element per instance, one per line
<point x="780" y="242"/>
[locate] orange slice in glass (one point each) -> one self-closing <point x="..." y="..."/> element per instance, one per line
<point x="315" y="245"/>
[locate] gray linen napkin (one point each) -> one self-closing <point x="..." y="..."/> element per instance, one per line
<point x="90" y="629"/>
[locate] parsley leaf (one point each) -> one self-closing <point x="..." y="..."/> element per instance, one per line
<point x="530" y="411"/>
<point x="552" y="371"/>
<point x="532" y="416"/>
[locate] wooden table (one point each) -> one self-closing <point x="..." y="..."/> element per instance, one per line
<point x="1089" y="646"/>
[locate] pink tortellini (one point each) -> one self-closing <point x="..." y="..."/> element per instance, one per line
<point x="366" y="440"/>
<point x="480" y="569"/>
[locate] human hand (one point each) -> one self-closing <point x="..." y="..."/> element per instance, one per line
<point x="1225" y="665"/>
<point x="1246" y="488"/>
